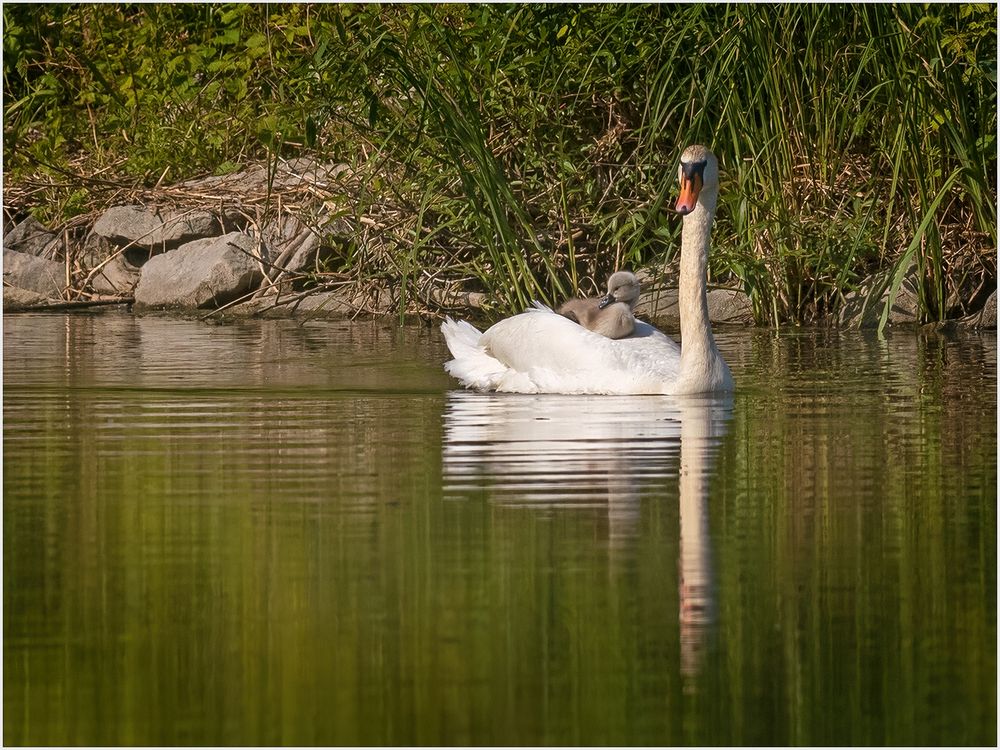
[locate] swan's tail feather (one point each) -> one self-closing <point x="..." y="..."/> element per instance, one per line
<point x="471" y="364"/>
<point x="461" y="336"/>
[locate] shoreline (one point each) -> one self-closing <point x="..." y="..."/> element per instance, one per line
<point x="331" y="306"/>
<point x="266" y="243"/>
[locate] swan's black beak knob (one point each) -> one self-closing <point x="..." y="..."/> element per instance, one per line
<point x="607" y="299"/>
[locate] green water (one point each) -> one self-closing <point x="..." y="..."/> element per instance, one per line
<point x="268" y="533"/>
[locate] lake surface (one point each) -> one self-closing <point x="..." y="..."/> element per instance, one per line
<point x="271" y="533"/>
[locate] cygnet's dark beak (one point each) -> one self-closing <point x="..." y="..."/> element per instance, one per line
<point x="607" y="299"/>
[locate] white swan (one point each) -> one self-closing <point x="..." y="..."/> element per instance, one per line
<point x="540" y="351"/>
<point x="610" y="315"/>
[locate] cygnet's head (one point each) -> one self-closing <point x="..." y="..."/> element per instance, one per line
<point x="698" y="174"/>
<point x="623" y="286"/>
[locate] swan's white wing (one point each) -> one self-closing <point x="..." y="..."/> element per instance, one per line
<point x="540" y="351"/>
<point x="548" y="353"/>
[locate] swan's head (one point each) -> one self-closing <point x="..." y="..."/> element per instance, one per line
<point x="623" y="286"/>
<point x="698" y="174"/>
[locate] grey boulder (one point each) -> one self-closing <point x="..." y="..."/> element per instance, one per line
<point x="205" y="273"/>
<point x="988" y="316"/>
<point x="15" y="298"/>
<point x="985" y="318"/>
<point x="296" y="246"/>
<point x="31" y="237"/>
<point x="46" y="277"/>
<point x="861" y="311"/>
<point x="109" y="270"/>
<point x="729" y="306"/>
<point x="660" y="304"/>
<point x="149" y="227"/>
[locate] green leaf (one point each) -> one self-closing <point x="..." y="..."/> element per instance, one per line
<point x="256" y="41"/>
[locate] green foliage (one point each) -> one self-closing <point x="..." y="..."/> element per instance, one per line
<point x="532" y="147"/>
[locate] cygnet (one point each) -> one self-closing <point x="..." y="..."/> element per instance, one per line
<point x="610" y="315"/>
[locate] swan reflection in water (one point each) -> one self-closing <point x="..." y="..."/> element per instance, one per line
<point x="561" y="451"/>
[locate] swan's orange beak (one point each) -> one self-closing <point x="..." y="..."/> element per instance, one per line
<point x="690" y="187"/>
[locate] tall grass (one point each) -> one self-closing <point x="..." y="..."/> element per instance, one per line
<point x="527" y="150"/>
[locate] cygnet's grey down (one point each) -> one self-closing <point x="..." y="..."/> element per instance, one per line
<point x="610" y="315"/>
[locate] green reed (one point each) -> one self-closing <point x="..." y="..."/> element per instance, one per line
<point x="526" y="151"/>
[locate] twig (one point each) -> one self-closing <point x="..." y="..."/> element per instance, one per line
<point x="75" y="304"/>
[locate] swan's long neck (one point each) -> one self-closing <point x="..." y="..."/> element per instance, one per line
<point x="702" y="367"/>
<point x="696" y="330"/>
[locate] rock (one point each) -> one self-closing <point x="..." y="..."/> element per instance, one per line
<point x="985" y="318"/>
<point x="451" y="297"/>
<point x="294" y="245"/>
<point x="858" y="312"/>
<point x="729" y="306"/>
<point x="149" y="228"/>
<point x="855" y="312"/>
<point x="201" y="274"/>
<point x="347" y="301"/>
<point x="116" y="276"/>
<point x="15" y="298"/>
<point x="31" y="237"/>
<point x="375" y="299"/>
<point x="988" y="315"/>
<point x="46" y="277"/>
<point x="906" y="307"/>
<point x="659" y="304"/>
<point x="295" y="174"/>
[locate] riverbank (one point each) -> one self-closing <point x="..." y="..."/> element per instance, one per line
<point x="499" y="154"/>
<point x="265" y="242"/>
